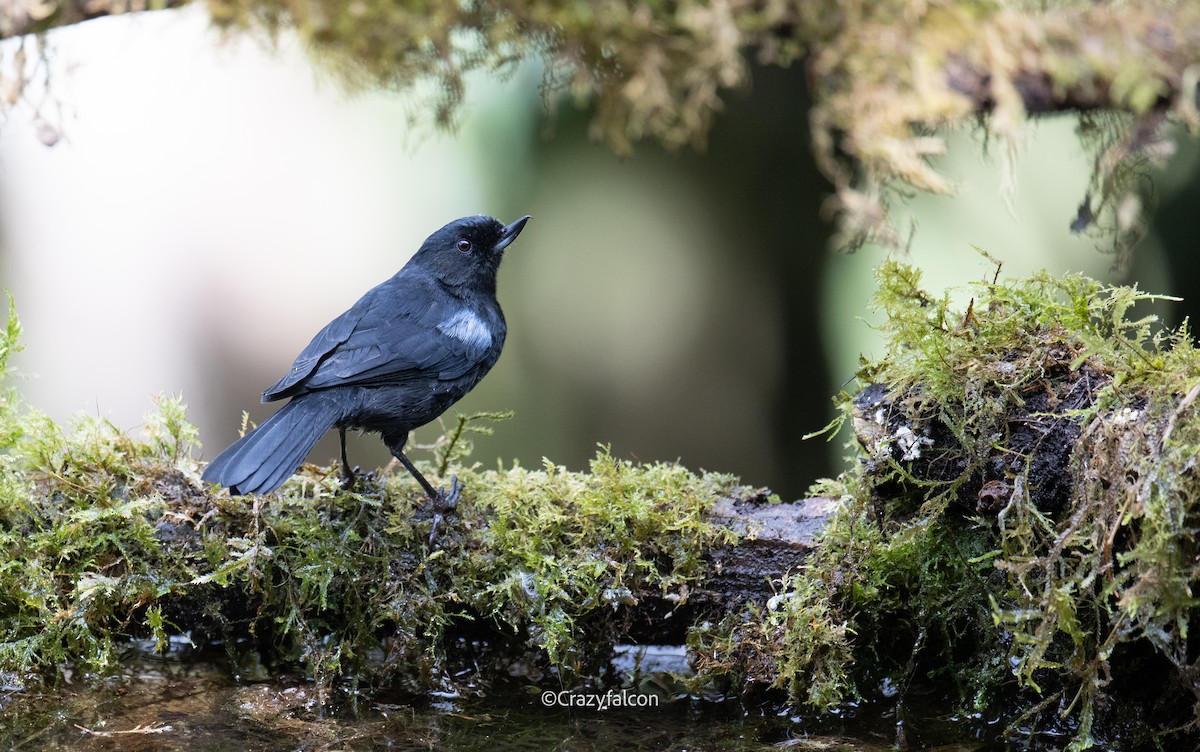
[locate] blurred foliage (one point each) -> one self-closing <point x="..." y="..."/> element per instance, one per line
<point x="887" y="77"/>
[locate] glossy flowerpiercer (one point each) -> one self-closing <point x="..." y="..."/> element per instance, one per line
<point x="396" y="360"/>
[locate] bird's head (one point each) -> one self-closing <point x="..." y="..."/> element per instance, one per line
<point x="467" y="251"/>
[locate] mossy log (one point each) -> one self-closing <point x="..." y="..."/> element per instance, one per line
<point x="111" y="539"/>
<point x="107" y="538"/>
<point x="757" y="542"/>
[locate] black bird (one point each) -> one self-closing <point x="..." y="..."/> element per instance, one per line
<point x="401" y="355"/>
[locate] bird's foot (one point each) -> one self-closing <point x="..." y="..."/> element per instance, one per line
<point x="445" y="501"/>
<point x="350" y="478"/>
<point x="448" y="499"/>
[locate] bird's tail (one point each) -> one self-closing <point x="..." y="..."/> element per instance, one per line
<point x="263" y="459"/>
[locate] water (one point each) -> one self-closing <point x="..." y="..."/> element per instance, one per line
<point x="166" y="706"/>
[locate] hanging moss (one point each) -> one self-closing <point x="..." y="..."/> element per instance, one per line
<point x="887" y="78"/>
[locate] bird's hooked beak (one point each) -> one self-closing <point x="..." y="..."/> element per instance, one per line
<point x="510" y="233"/>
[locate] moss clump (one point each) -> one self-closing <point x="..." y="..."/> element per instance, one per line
<point x="962" y="560"/>
<point x="106" y="537"/>
<point x="561" y="546"/>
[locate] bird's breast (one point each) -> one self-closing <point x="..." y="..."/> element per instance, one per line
<point x="467" y="327"/>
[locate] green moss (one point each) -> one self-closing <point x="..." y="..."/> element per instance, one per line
<point x="956" y="560"/>
<point x="533" y="553"/>
<point x="562" y="545"/>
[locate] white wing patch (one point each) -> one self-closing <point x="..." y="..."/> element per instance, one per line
<point x="468" y="328"/>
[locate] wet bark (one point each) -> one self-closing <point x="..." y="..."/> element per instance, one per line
<point x="775" y="540"/>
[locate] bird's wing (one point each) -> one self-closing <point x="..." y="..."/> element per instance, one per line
<point x="323" y="344"/>
<point x="389" y="340"/>
<point x="398" y="348"/>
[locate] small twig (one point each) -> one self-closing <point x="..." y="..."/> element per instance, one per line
<point x="139" y="729"/>
<point x="451" y="441"/>
<point x="1184" y="404"/>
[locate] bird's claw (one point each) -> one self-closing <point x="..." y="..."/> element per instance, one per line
<point x="445" y="502"/>
<point x="448" y="499"/>
<point x="351" y="477"/>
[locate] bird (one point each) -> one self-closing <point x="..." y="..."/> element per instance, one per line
<point x="397" y="359"/>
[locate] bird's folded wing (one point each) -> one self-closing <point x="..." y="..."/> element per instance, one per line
<point x="374" y="344"/>
<point x="325" y="342"/>
<point x="406" y="351"/>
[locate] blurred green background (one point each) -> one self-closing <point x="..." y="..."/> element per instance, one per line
<point x="211" y="203"/>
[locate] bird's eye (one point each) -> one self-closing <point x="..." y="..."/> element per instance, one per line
<point x="464" y="245"/>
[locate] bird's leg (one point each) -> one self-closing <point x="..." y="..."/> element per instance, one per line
<point x="348" y="474"/>
<point x="430" y="491"/>
<point x="443" y="501"/>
